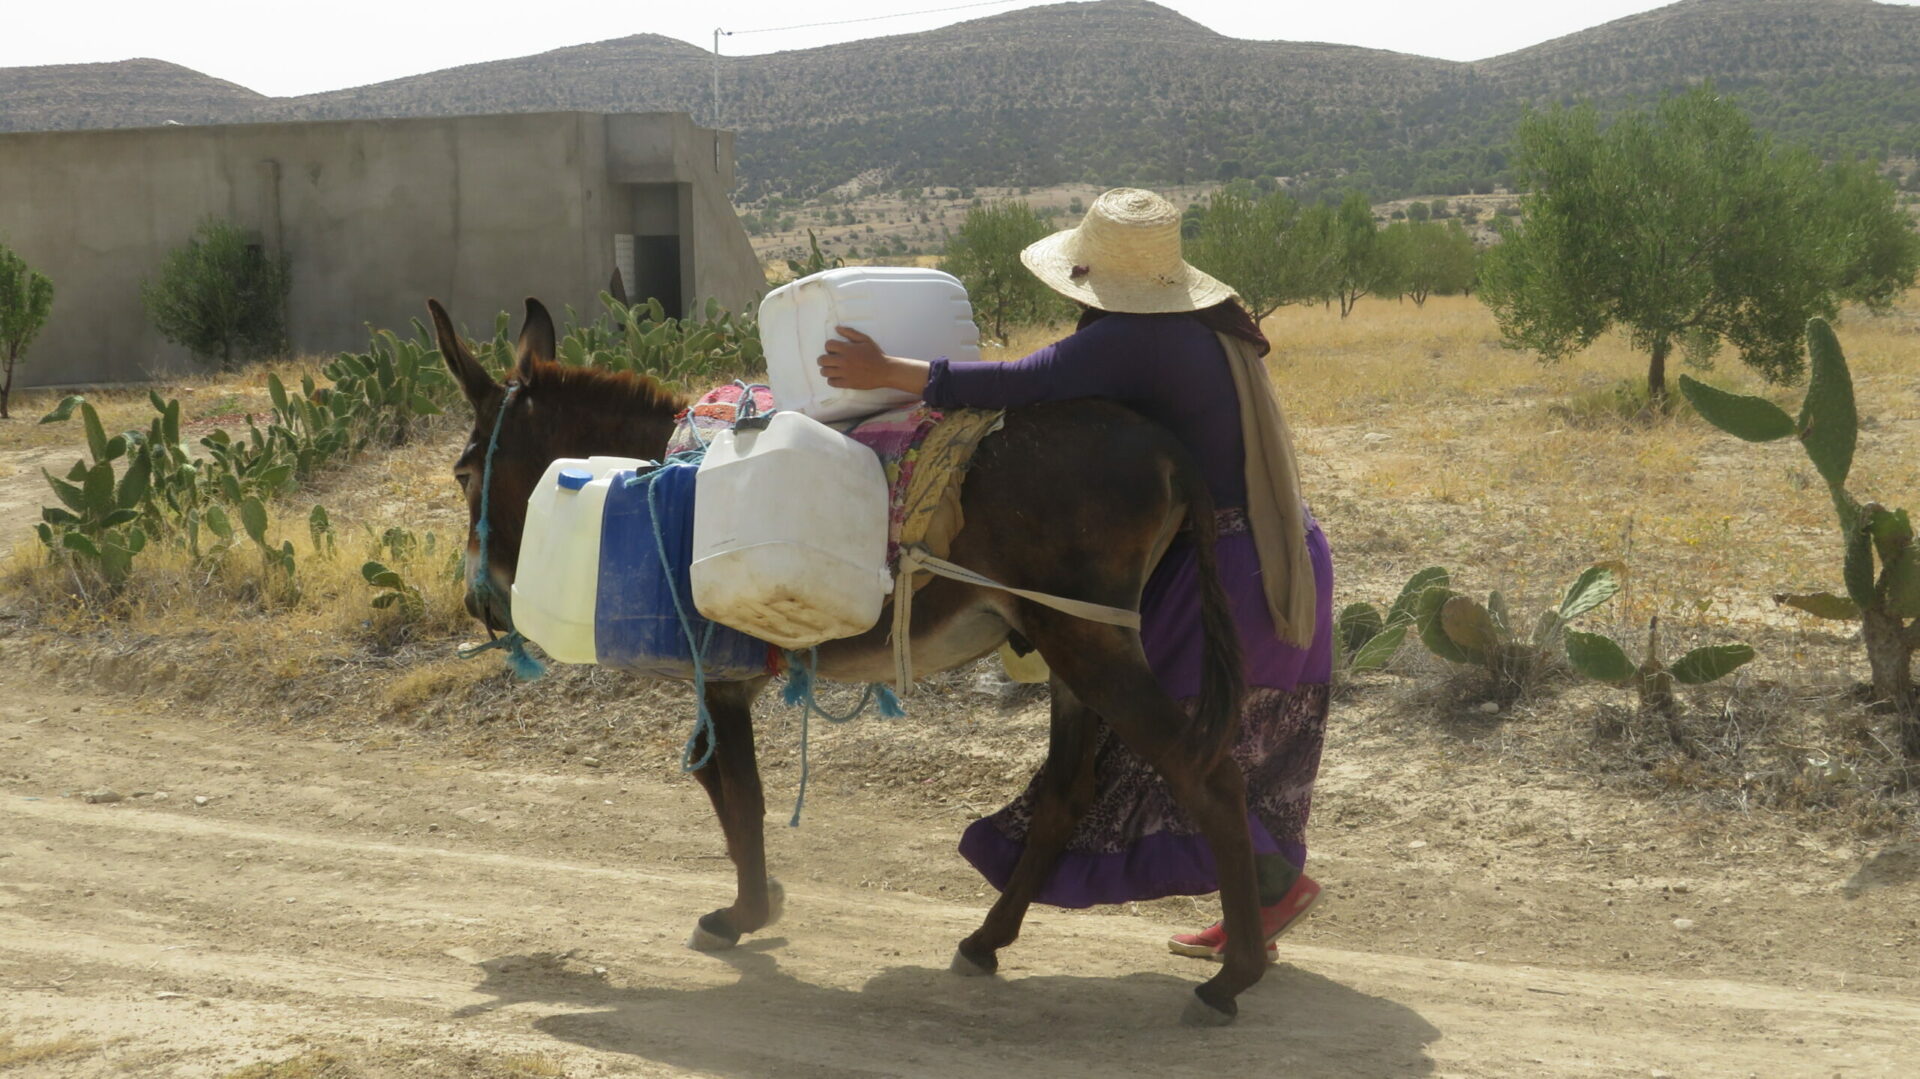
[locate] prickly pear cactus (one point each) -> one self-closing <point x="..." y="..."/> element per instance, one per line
<point x="1365" y="640"/>
<point x="1600" y="658"/>
<point x="1880" y="563"/>
<point x="1461" y="630"/>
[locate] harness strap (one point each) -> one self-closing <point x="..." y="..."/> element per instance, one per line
<point x="522" y="663"/>
<point x="915" y="558"/>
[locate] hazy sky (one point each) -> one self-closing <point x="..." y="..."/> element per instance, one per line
<point x="283" y="49"/>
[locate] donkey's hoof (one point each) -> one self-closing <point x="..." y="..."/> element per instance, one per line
<point x="968" y="967"/>
<point x="776" y="901"/>
<point x="713" y="934"/>
<point x="1199" y="1013"/>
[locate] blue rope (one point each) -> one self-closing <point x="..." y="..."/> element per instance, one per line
<point x="524" y="666"/>
<point x="697" y="647"/>
<point x="802" y="680"/>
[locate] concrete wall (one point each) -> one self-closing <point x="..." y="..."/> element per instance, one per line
<point x="375" y="217"/>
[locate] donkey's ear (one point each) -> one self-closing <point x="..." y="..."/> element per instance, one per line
<point x="473" y="378"/>
<point x="536" y="339"/>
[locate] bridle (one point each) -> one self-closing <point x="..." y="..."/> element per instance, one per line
<point x="480" y="583"/>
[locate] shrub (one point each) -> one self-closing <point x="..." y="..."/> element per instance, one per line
<point x="985" y="255"/>
<point x="220" y="296"/>
<point x="1684" y="228"/>
<point x="26" y="297"/>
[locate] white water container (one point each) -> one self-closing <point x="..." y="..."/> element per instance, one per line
<point x="556" y="581"/>
<point x="922" y="314"/>
<point x="790" y="533"/>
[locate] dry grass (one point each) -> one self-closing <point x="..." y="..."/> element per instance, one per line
<point x="1424" y="442"/>
<point x="207" y="400"/>
<point x="18" y="1054"/>
<point x="533" y="1066"/>
<point x="234" y="596"/>
<point x="318" y="1064"/>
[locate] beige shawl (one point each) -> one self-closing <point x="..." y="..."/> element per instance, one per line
<point x="1274" y="508"/>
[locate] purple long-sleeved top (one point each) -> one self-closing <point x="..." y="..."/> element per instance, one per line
<point x="1170" y="370"/>
<point x="1173" y="371"/>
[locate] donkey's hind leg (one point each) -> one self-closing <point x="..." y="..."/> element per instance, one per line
<point x="732" y="781"/>
<point x="1107" y="670"/>
<point x="1065" y="791"/>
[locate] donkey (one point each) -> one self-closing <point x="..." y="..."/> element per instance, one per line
<point x="1076" y="499"/>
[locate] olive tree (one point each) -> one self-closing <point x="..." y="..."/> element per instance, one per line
<point x="1429" y="257"/>
<point x="1271" y="251"/>
<point x="26" y="298"/>
<point x="221" y="296"/>
<point x="1362" y="265"/>
<point x="1685" y="228"/>
<point x="985" y="256"/>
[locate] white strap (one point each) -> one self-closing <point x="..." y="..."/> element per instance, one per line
<point x="915" y="558"/>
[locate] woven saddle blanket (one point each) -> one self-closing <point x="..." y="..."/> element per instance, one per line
<point x="923" y="451"/>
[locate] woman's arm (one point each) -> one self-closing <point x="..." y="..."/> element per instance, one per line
<point x="1107" y="359"/>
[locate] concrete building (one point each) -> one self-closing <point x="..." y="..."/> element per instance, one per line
<point x="375" y="216"/>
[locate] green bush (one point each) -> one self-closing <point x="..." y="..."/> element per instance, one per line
<point x="985" y="256"/>
<point x="26" y="298"/>
<point x="220" y="296"/>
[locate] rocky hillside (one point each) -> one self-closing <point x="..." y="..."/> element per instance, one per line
<point x="1123" y="90"/>
<point x="130" y="93"/>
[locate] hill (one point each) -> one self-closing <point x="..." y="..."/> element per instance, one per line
<point x="128" y="93"/>
<point x="1127" y="90"/>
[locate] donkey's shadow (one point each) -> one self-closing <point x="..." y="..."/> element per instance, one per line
<point x="914" y="1021"/>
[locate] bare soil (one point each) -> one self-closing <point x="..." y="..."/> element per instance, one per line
<point x="402" y="904"/>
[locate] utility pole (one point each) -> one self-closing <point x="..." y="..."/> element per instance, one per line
<point x="716" y="77"/>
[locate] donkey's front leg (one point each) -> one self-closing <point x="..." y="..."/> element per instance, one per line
<point x="732" y="780"/>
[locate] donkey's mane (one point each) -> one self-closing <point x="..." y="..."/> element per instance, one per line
<point x="601" y="389"/>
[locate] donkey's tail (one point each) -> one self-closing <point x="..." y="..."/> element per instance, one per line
<point x="1222" y="673"/>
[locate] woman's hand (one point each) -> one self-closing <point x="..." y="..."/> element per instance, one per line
<point x="855" y="362"/>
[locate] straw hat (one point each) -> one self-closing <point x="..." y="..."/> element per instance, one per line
<point x="1124" y="256"/>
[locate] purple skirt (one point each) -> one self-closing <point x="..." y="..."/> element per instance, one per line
<point x="1135" y="843"/>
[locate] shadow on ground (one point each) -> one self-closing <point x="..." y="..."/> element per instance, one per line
<point x="914" y="1021"/>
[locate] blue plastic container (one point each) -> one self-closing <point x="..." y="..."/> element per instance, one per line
<point x="636" y="624"/>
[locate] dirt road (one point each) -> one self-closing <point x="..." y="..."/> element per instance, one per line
<point x="408" y="912"/>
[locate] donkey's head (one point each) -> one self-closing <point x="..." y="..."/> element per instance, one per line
<point x="543" y="411"/>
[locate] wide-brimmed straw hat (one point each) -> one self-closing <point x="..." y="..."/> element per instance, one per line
<point x="1124" y="256"/>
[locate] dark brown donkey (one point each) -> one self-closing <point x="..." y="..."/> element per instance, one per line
<point x="1077" y="499"/>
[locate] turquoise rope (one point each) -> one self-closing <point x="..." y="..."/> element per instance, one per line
<point x="696" y="647"/>
<point x="524" y="666"/>
<point x="802" y="679"/>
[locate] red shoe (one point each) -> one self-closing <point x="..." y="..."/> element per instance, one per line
<point x="1211" y="942"/>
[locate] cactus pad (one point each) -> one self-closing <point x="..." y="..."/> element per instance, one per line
<point x="1829" y="424"/>
<point x="1599" y="658"/>
<point x="1754" y="419"/>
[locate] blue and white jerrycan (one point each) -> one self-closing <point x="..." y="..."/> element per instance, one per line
<point x="602" y="576"/>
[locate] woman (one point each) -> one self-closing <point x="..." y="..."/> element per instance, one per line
<point x="1176" y="346"/>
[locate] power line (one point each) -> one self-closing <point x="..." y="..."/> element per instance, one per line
<point x="719" y="33"/>
<point x="867" y="18"/>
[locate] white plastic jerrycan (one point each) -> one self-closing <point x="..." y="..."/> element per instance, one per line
<point x="790" y="532"/>
<point x="912" y="312"/>
<point x="556" y="581"/>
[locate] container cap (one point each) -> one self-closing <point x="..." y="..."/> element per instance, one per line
<point x="575" y="478"/>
